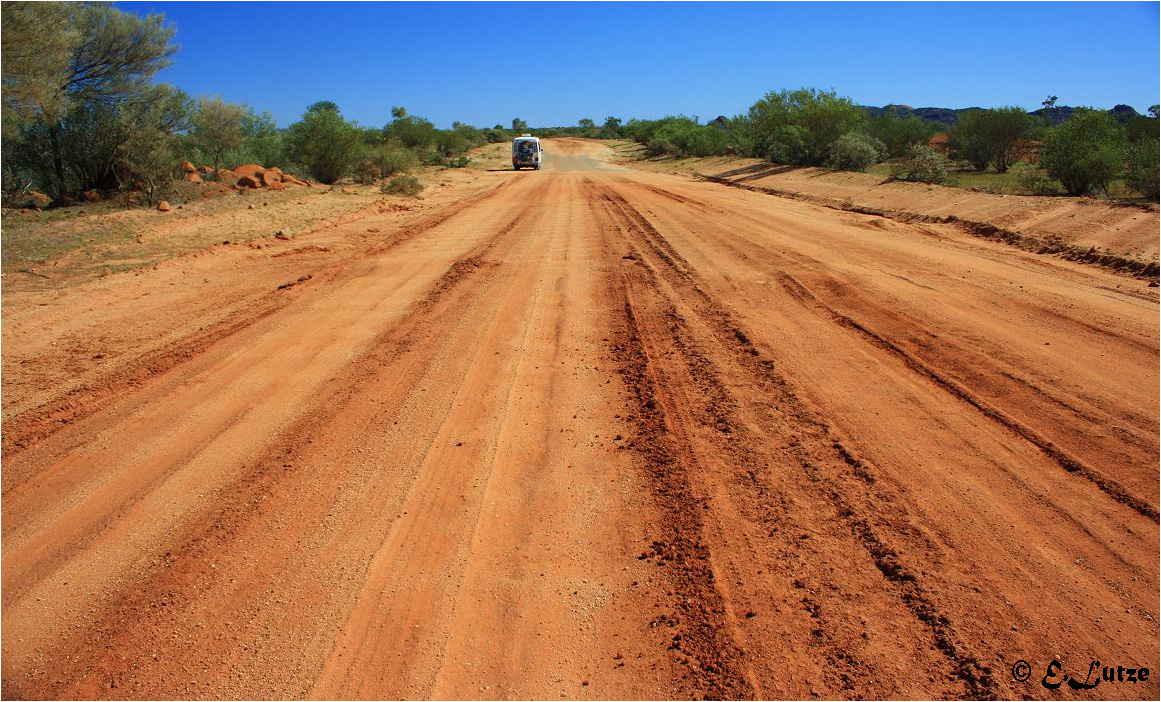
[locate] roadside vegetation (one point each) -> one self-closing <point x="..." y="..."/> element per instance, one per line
<point x="83" y="120"/>
<point x="1002" y="150"/>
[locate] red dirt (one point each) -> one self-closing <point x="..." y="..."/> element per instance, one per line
<point x="587" y="433"/>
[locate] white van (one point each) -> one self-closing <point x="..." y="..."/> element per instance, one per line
<point x="526" y="151"/>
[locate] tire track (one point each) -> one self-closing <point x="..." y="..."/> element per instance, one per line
<point x="1070" y="464"/>
<point x="35" y="425"/>
<point x="818" y="456"/>
<point x="809" y="300"/>
<point x="173" y="575"/>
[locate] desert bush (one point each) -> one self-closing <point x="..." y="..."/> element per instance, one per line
<point x="459" y="162"/>
<point x="660" y="147"/>
<point x="799" y="126"/>
<point x="393" y="158"/>
<point x="217" y="128"/>
<point x="402" y="185"/>
<point x="1142" y="176"/>
<point x="611" y="128"/>
<point x="366" y="172"/>
<point x="147" y="158"/>
<point x="1086" y="152"/>
<point x="991" y="137"/>
<point x="1035" y="180"/>
<point x="413" y="132"/>
<point x="324" y="142"/>
<point x="262" y="141"/>
<point x="855" y="152"/>
<point x="922" y="164"/>
<point x="678" y="136"/>
<point x="900" y="133"/>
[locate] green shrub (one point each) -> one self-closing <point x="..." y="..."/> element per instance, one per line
<point x="392" y="158"/>
<point x="1086" y="152"/>
<point x="325" y="143"/>
<point x="900" y="133"/>
<point x="459" y="162"/>
<point x="1143" y="167"/>
<point x="855" y="152"/>
<point x="991" y="137"/>
<point x="922" y="164"/>
<point x="799" y="126"/>
<point x="660" y="147"/>
<point x="366" y="172"/>
<point x="679" y="136"/>
<point x="402" y="185"/>
<point x="1035" y="180"/>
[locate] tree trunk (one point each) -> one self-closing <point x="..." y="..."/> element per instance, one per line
<point x="57" y="161"/>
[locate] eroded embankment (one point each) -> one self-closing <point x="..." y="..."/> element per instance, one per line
<point x="985" y="230"/>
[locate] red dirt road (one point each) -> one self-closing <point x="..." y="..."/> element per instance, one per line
<point x="585" y="433"/>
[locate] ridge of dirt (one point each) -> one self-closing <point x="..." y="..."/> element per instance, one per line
<point x="702" y="642"/>
<point x="1069" y="463"/>
<point x="822" y="450"/>
<point x="985" y="230"/>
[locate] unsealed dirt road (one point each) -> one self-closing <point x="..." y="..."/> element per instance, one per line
<point x="584" y="433"/>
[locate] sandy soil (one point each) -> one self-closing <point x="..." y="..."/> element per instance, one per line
<point x="583" y="433"/>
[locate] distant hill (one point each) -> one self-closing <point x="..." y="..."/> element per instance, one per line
<point x="947" y="116"/>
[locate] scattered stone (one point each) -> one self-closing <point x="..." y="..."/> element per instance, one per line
<point x="188" y="167"/>
<point x="39" y="200"/>
<point x="270" y="177"/>
<point x="91" y="196"/>
<point x="194" y="178"/>
<point x="248" y="181"/>
<point x="164" y="206"/>
<point x="226" y="176"/>
<point x="284" y="234"/>
<point x="250" y="206"/>
<point x="249" y="170"/>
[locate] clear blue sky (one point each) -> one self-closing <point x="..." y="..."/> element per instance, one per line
<point x="554" y="63"/>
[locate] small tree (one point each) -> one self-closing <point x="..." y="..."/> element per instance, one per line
<point x="612" y="128"/>
<point x="413" y="132"/>
<point x="64" y="55"/>
<point x="519" y="126"/>
<point x="217" y="128"/>
<point x="146" y="159"/>
<point x="262" y="140"/>
<point x="324" y="142"/>
<point x="991" y="137"/>
<point x="1086" y="152"/>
